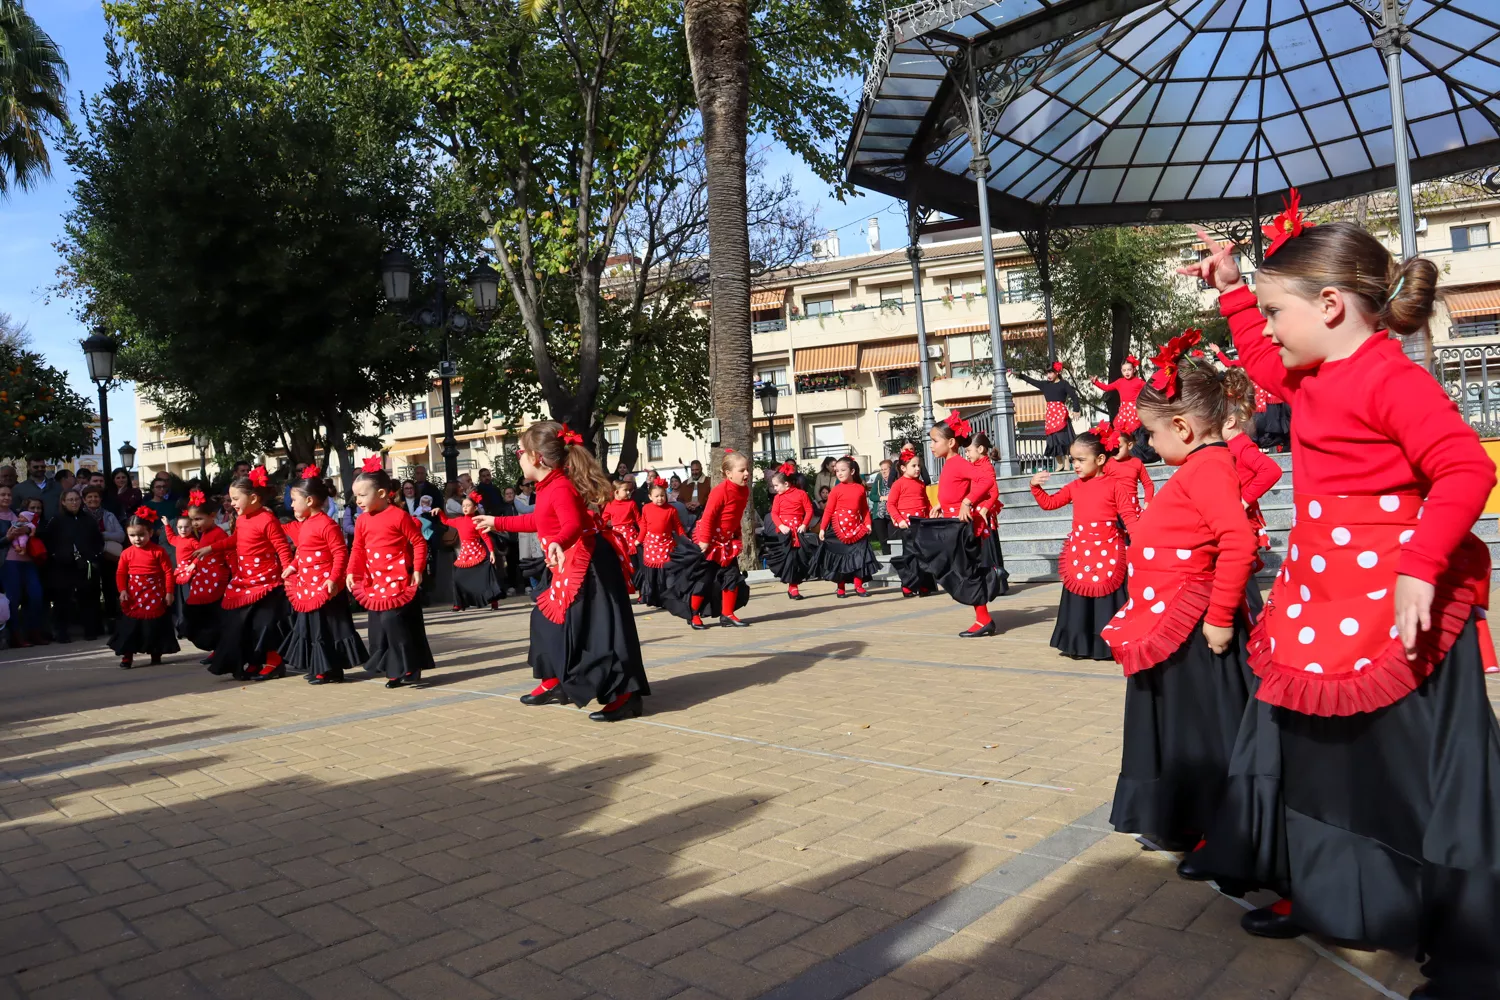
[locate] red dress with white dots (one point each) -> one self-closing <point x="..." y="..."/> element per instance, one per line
<point x="719" y="524"/>
<point x="848" y="511"/>
<point x="260" y="550"/>
<point x="660" y="528"/>
<point x="321" y="558"/>
<point x="623" y="518"/>
<point x="1126" y="418"/>
<point x="1092" y="562"/>
<point x="388" y="545"/>
<point x="1189" y="560"/>
<point x="143" y="576"/>
<point x="474" y="546"/>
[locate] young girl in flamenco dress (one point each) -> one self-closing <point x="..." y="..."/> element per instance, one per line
<point x="386" y="563"/>
<point x="1384" y="806"/>
<point x="660" y="526"/>
<point x="847" y="555"/>
<point x="792" y="552"/>
<point x="1092" y="562"/>
<point x="704" y="576"/>
<point x="1127" y="421"/>
<point x="145" y="581"/>
<point x="256" y="616"/>
<point x="907" y="504"/>
<point x="323" y="642"/>
<point x="475" y="584"/>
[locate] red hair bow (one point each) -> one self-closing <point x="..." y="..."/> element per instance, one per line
<point x="907" y="455"/>
<point x="258" y="476"/>
<point x="1057" y="366"/>
<point x="1167" y="359"/>
<point x="1290" y="223"/>
<point x="659" y="481"/>
<point x="568" y="436"/>
<point x="146" y="513"/>
<point x="373" y="464"/>
<point x="478" y="500"/>
<point x="1108" y="436"/>
<point x="195" y="497"/>
<point x="312" y="472"/>
<point x="958" y="425"/>
<point x="1131" y="359"/>
<point x="787" y="469"/>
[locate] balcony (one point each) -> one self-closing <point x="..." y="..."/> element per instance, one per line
<point x="768" y="325"/>
<point x="830" y="401"/>
<point x="898" y="388"/>
<point x="776" y="455"/>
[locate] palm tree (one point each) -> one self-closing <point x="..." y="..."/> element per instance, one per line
<point x="33" y="96"/>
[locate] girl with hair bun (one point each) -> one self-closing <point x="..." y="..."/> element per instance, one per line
<point x="1386" y="800"/>
<point x="322" y="642"/>
<point x="660" y="527"/>
<point x="583" y="641"/>
<point x="847" y="555"/>
<point x="1062" y="403"/>
<point x="1180" y="637"/>
<point x="704" y="576"/>
<point x="256" y="616"/>
<point x="475" y="584"/>
<point x="385" y="575"/>
<point x="1092" y="562"/>
<point x="907" y="504"/>
<point x="792" y="552"/>
<point x="205" y="577"/>
<point x="947" y="544"/>
<point x="145" y="581"/>
<point x="987" y="523"/>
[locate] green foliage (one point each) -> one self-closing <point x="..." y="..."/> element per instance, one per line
<point x="229" y="223"/>
<point x="33" y="96"/>
<point x="39" y="413"/>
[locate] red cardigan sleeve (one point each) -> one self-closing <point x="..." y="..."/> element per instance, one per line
<point x="356" y="567"/>
<point x="712" y="511"/>
<point x="675" y="523"/>
<point x="983" y="484"/>
<point x="1214" y="491"/>
<point x="1260" y="358"/>
<point x="122" y="570"/>
<point x="804" y="509"/>
<point x="524" y="524"/>
<point x="1147" y="484"/>
<point x="159" y="557"/>
<point x="828" y="509"/>
<point x="1125" y="504"/>
<point x="333" y="537"/>
<point x="1418" y="415"/>
<point x="1227" y="361"/>
<point x="1053" y="501"/>
<point x="1107" y="386"/>
<point x="276" y="535"/>
<point x="1258" y="471"/>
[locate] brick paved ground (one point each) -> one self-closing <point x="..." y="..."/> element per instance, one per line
<point x="843" y="800"/>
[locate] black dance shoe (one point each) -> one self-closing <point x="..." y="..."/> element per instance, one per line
<point x="325" y="678"/>
<point x="393" y="683"/>
<point x="988" y="628"/>
<point x="544" y="698"/>
<point x="207" y="660"/>
<point x="276" y="674"/>
<point x="1267" y="923"/>
<point x="1189" y="869"/>
<point x="630" y="710"/>
<point x="697" y="625"/>
<point x="840" y="594"/>
<point x="126" y="663"/>
<point x="730" y="621"/>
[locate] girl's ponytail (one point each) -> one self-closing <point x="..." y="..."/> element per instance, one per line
<point x="586" y="475"/>
<point x="1408" y="304"/>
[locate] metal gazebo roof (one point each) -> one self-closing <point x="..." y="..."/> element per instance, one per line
<point x="1122" y="111"/>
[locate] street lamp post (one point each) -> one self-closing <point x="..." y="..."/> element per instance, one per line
<point x="127" y="458"/>
<point x="484" y="287"/>
<point x="201" y="443"/>
<point x="99" y="350"/>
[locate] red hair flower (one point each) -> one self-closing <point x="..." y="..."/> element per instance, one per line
<point x="1108" y="436"/>
<point x="958" y="425"/>
<point x="258" y="476"/>
<point x="373" y="464"/>
<point x="787" y="469"/>
<point x="312" y="472"/>
<point x="478" y="500"/>
<point x="659" y="481"/>
<point x="568" y="436"/>
<point x="1057" y="366"/>
<point x="195" y="497"/>
<point x="1167" y="359"/>
<point x="145" y="513"/>
<point x="1289" y="224"/>
<point x="907" y="455"/>
<point x="1132" y="360"/>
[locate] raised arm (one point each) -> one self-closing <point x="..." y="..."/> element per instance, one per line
<point x="1034" y="382"/>
<point x="1053" y="501"/>
<point x="524" y="524"/>
<point x="1260" y="358"/>
<point x="1107" y="386"/>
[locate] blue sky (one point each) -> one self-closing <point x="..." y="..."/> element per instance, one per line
<point x="32" y="221"/>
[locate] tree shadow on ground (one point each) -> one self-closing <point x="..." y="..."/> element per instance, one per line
<point x="25" y="754"/>
<point x="683" y="691"/>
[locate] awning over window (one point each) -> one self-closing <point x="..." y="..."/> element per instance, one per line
<point x="1476" y="300"/>
<point x="1029" y="407"/>
<point x="834" y="358"/>
<point x="772" y="298"/>
<point x="1014" y="331"/>
<point x="888" y="356"/>
<point x="408" y="452"/>
<point x="766" y="423"/>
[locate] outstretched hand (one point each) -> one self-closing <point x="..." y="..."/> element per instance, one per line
<point x="1218" y="268"/>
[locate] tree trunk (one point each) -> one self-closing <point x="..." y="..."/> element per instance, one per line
<point x="338" y="443"/>
<point x="1120" y="316"/>
<point x="718" y="37"/>
<point x="629" y="451"/>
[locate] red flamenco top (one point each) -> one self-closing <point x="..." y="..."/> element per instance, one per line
<point x="560" y="516"/>
<point x="848" y="509"/>
<point x="660" y="527"/>
<point x="260" y="550"/>
<point x="960" y="480"/>
<point x="1126" y="418"/>
<point x="623" y="518"/>
<point x="1131" y="470"/>
<point x="1092" y="562"/>
<point x="143" y="577"/>
<point x="207" y="577"/>
<point x="1189" y="560"/>
<point x="792" y="509"/>
<point x="906" y="500"/>
<point x="1258" y="473"/>
<point x="1390" y="479"/>
<point x="321" y="558"/>
<point x="474" y="546"/>
<point x="387" y="545"/>
<point x="985" y="470"/>
<point x="719" y="524"/>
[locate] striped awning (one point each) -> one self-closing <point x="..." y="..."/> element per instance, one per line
<point x="1013" y="331"/>
<point x="833" y="358"/>
<point x="1476" y="300"/>
<point x="408" y="452"/>
<point x="766" y="423"/>
<point x="888" y="356"/>
<point x="1030" y="407"/>
<point x="772" y="298"/>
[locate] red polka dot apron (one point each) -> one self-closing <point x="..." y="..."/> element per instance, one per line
<point x="206" y="578"/>
<point x="1169" y="592"/>
<point x="387" y="582"/>
<point x="1327" y="643"/>
<point x="1262" y="397"/>
<point x="471" y="553"/>
<point x="1055" y="418"/>
<point x="567" y="580"/>
<point x="629" y="536"/>
<point x="146" y="593"/>
<point x="848" y="527"/>
<point x="615" y="536"/>
<point x="982" y="527"/>
<point x="254" y="578"/>
<point x="1092" y="563"/>
<point x="724" y="551"/>
<point x="656" y="549"/>
<point x="1127" y="419"/>
<point x="307" y="589"/>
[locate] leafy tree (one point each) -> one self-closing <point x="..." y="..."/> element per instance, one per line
<point x="39" y="413"/>
<point x="33" y="96"/>
<point x="229" y="223"/>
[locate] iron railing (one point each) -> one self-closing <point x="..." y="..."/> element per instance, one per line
<point x="768" y="325"/>
<point x="1471" y="377"/>
<point x="776" y="455"/>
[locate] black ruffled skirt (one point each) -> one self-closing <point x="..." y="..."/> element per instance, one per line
<point x="946" y="548"/>
<point x="200" y="625"/>
<point x="914" y="579"/>
<point x="792" y="564"/>
<point x="594" y="653"/>
<point x="324" y="642"/>
<point x="1058" y="442"/>
<point x="475" y="586"/>
<point x="1383" y="827"/>
<point x="839" y="562"/>
<point x="247" y="634"/>
<point x="1079" y="620"/>
<point x="692" y="574"/>
<point x="1142" y="448"/>
<point x="1182" y="718"/>
<point x="150" y="636"/>
<point x="398" y="642"/>
<point x="994" y="561"/>
<point x="651" y="585"/>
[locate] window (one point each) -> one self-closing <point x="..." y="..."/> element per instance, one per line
<point x="968" y="355"/>
<point x="893" y="294"/>
<point x="971" y="285"/>
<point x="1469" y="237"/>
<point x="653" y="449"/>
<point x="818" y="307"/>
<point x="828" y="436"/>
<point x="1477" y="326"/>
<point x="774" y="375"/>
<point x="897" y="383"/>
<point x="1020" y="285"/>
<point x="419" y="409"/>
<point x="612" y="439"/>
